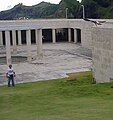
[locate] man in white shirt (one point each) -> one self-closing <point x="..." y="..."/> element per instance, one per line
<point x="10" y="74"/>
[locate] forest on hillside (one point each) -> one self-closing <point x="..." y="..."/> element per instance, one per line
<point x="93" y="9"/>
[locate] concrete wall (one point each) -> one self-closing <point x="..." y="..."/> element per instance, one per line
<point x="102" y="54"/>
<point x="86" y="38"/>
<point x="86" y="31"/>
<point x="85" y="27"/>
<point x="99" y="39"/>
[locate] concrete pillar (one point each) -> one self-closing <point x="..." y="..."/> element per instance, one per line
<point x="53" y="35"/>
<point x="1" y="39"/>
<point x="36" y="36"/>
<point x="69" y="35"/>
<point x="8" y="50"/>
<point x="14" y="41"/>
<point x="28" y="40"/>
<point x="39" y="43"/>
<point x="19" y="38"/>
<point x="75" y="35"/>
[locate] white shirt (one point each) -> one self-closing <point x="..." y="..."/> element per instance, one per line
<point x="10" y="71"/>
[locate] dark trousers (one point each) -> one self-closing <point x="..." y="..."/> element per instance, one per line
<point x="11" y="78"/>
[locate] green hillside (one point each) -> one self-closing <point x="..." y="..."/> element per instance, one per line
<point x="98" y="8"/>
<point x="20" y="11"/>
<point x="93" y="9"/>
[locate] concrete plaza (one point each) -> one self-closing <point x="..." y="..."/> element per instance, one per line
<point x="58" y="59"/>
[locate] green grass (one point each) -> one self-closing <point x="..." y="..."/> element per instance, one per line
<point x="73" y="98"/>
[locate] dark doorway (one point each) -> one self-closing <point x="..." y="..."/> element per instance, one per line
<point x="72" y="35"/>
<point x="11" y="38"/>
<point x="47" y="35"/>
<point x="3" y="36"/>
<point x="78" y="35"/>
<point x="62" y="35"/>
<point x="33" y="39"/>
<point x="23" y="35"/>
<point x="17" y="37"/>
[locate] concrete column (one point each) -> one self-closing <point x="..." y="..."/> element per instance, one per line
<point x="69" y="35"/>
<point x="19" y="38"/>
<point x="36" y="36"/>
<point x="53" y="35"/>
<point x="39" y="43"/>
<point x="14" y="41"/>
<point x="28" y="40"/>
<point x="75" y="35"/>
<point x="1" y="39"/>
<point x="8" y="50"/>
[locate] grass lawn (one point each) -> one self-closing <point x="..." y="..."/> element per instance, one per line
<point x="73" y="98"/>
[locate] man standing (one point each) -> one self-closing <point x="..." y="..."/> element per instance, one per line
<point x="10" y="74"/>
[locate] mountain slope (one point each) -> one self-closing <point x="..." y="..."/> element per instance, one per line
<point x="72" y="7"/>
<point x="93" y="9"/>
<point x="41" y="10"/>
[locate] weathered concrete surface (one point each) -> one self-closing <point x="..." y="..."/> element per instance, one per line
<point x="58" y="59"/>
<point x="85" y="27"/>
<point x="103" y="54"/>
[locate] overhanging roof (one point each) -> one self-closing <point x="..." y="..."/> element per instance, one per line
<point x="19" y="27"/>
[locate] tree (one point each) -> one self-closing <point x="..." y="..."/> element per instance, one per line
<point x="73" y="6"/>
<point x="90" y="8"/>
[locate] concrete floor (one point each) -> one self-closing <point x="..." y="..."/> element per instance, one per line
<point x="58" y="60"/>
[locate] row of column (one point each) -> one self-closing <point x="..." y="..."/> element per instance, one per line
<point x="19" y="37"/>
<point x="69" y="35"/>
<point x="38" y="36"/>
<point x="75" y="35"/>
<point x="53" y="36"/>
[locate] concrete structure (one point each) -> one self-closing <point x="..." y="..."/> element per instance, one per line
<point x="103" y="53"/>
<point x="20" y="32"/>
<point x="99" y="39"/>
<point x="51" y="24"/>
